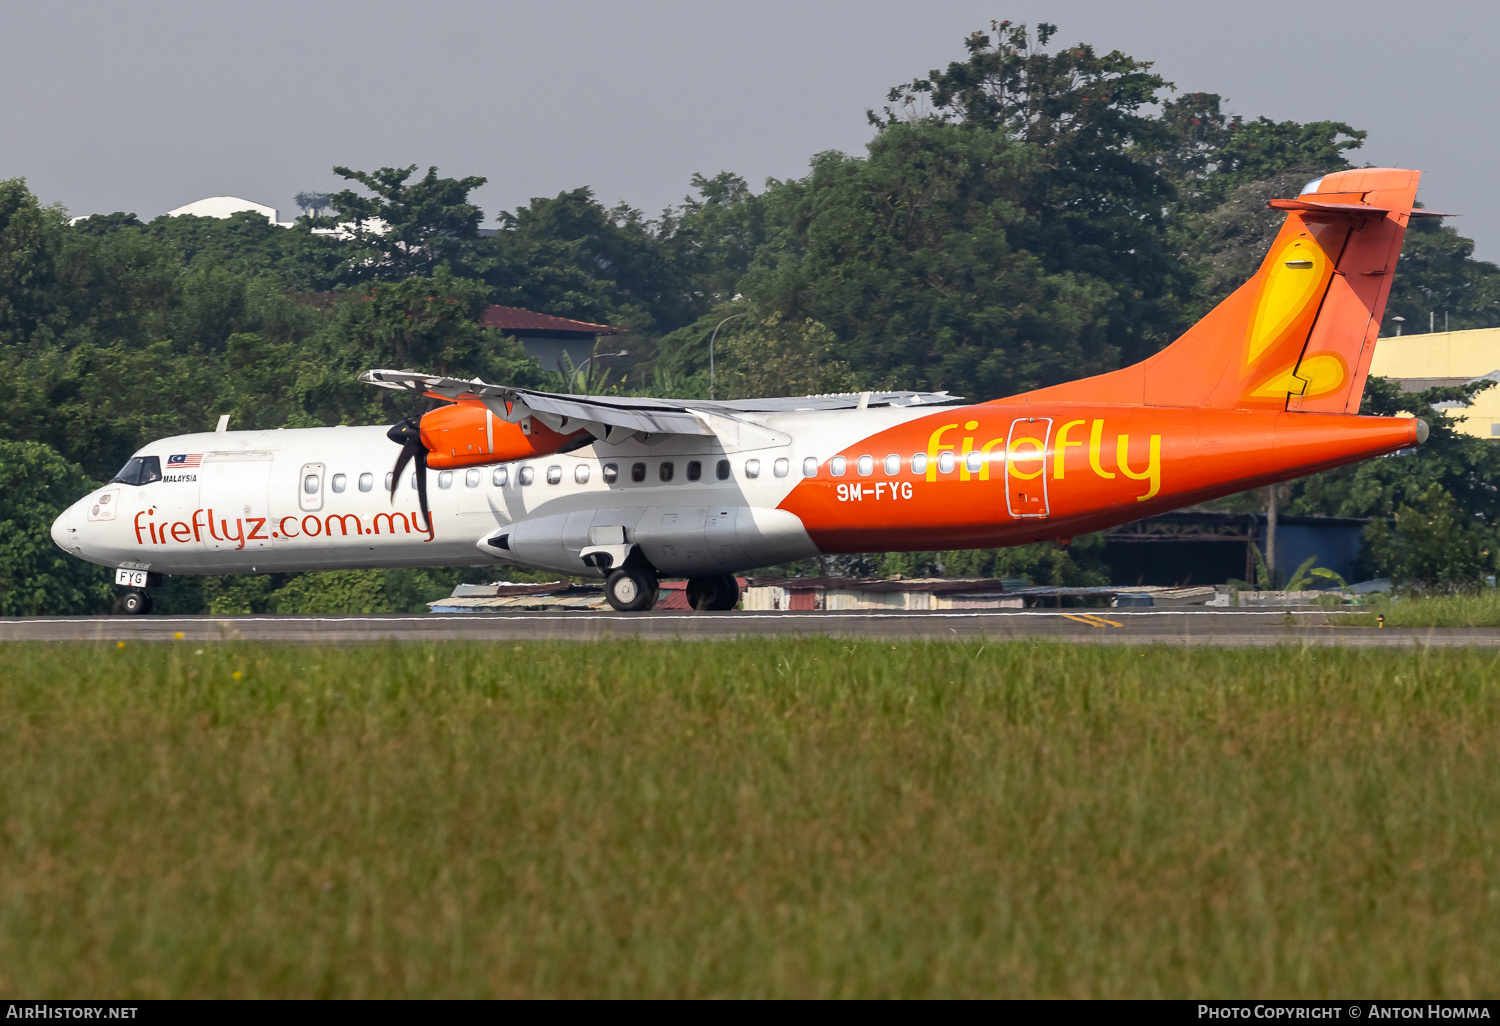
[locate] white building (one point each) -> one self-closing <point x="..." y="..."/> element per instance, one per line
<point x="225" y="206"/>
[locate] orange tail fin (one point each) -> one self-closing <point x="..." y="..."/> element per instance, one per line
<point x="1299" y="335"/>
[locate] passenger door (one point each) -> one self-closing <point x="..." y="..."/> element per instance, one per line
<point x="1026" y="466"/>
<point x="233" y="491"/>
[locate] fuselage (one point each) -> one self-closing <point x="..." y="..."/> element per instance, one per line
<point x="772" y="488"/>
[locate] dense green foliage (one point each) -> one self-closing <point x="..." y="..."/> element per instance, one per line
<point x="1025" y="216"/>
<point x="36" y="484"/>
<point x="654" y="819"/>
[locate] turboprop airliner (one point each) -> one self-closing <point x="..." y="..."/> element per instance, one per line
<point x="1265" y="388"/>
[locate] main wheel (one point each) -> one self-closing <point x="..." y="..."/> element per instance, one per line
<point x="631" y="589"/>
<point x="136" y="603"/>
<point x="710" y="594"/>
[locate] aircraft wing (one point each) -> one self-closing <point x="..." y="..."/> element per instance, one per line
<point x="612" y="417"/>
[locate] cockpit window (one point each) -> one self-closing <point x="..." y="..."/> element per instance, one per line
<point x="139" y="470"/>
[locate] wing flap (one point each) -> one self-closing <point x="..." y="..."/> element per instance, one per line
<point x="613" y="415"/>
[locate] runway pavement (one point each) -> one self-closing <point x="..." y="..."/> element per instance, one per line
<point x="1109" y="626"/>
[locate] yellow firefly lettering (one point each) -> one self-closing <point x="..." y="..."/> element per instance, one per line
<point x="933" y="448"/>
<point x="1096" y="443"/>
<point x="1060" y="457"/>
<point x="963" y="454"/>
<point x="1152" y="472"/>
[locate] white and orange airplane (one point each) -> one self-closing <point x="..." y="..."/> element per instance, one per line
<point x="1265" y="388"/>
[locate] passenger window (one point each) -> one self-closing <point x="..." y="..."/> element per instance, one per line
<point x="310" y="484"/>
<point x="836" y="466"/>
<point x="695" y="470"/>
<point x="810" y="467"/>
<point x="665" y="471"/>
<point x="637" y="472"/>
<point x="554" y="474"/>
<point x="339" y="481"/>
<point x="892" y="465"/>
<point x="752" y="468"/>
<point x="366" y="482"/>
<point x="866" y="466"/>
<point x="501" y="477"/>
<point x="471" y="479"/>
<point x="611" y="473"/>
<point x="782" y="467"/>
<point x="581" y="473"/>
<point x="946" y="462"/>
<point x="721" y="470"/>
<point x="919" y="463"/>
<point x="975" y="462"/>
<point x="388" y="480"/>
<point x="445" y="479"/>
<point x="526" y="475"/>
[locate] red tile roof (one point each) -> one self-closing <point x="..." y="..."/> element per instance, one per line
<point x="514" y="319"/>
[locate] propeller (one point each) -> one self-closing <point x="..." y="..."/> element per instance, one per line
<point x="407" y="433"/>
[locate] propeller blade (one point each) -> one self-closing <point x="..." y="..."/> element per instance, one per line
<point x="409" y="436"/>
<point x="422" y="485"/>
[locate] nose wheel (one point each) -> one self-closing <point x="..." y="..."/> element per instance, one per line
<point x="631" y="589"/>
<point x="135" y="603"/>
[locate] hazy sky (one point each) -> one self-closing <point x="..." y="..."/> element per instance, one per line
<point x="146" y="106"/>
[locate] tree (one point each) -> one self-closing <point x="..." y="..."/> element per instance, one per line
<point x="1208" y="152"/>
<point x="32" y="298"/>
<point x="404" y="228"/>
<point x="1094" y="200"/>
<point x="1431" y="545"/>
<point x="774" y="356"/>
<point x="1438" y="282"/>
<point x="572" y="257"/>
<point x="911" y="256"/>
<point x="37" y="577"/>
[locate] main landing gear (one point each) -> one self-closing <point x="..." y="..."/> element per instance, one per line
<point x="719" y="593"/>
<point x="632" y="589"/>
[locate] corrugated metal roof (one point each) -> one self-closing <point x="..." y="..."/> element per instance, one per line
<point x="511" y="318"/>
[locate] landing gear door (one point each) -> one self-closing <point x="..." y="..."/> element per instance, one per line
<point x="233" y="494"/>
<point x="1026" y="466"/>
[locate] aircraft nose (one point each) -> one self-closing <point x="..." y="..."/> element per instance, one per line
<point x="62" y="533"/>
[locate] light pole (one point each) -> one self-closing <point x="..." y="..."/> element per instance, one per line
<point x="598" y="356"/>
<point x="1398" y="321"/>
<point x="711" y="339"/>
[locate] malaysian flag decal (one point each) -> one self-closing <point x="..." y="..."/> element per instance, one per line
<point x="191" y="459"/>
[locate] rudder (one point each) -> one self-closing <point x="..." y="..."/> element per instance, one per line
<point x="1300" y="334"/>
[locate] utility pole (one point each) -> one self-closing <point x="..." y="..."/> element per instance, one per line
<point x="1271" y="535"/>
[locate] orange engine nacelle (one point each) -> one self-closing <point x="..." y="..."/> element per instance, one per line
<point x="467" y="434"/>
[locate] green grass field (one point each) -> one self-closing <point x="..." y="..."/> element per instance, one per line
<point x="1477" y="610"/>
<point x="758" y="818"/>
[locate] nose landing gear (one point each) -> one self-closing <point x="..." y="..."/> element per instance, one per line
<point x="135" y="603"/>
